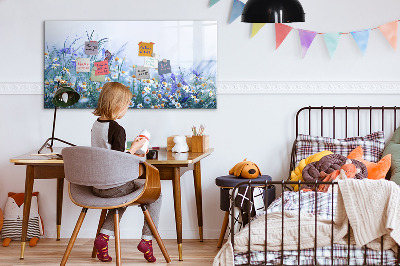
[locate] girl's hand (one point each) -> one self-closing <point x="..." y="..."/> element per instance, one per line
<point x="137" y="144"/>
<point x="143" y="155"/>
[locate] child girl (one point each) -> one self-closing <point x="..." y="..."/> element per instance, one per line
<point x="114" y="101"/>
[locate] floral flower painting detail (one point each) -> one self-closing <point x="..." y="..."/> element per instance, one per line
<point x="190" y="46"/>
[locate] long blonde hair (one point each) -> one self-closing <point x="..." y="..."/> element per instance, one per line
<point x="113" y="97"/>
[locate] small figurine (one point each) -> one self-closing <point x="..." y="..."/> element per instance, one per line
<point x="180" y="144"/>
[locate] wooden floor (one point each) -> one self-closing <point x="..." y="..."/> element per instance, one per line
<point x="50" y="252"/>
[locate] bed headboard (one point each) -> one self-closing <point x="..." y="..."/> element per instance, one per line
<point x="344" y="121"/>
<point x="344" y="118"/>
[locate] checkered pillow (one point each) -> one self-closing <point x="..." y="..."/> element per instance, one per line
<point x="372" y="145"/>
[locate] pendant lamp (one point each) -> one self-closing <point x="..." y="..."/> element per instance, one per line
<point x="63" y="97"/>
<point x="273" y="11"/>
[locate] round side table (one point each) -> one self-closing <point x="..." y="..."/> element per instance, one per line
<point x="228" y="182"/>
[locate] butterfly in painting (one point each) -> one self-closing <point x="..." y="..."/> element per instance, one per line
<point x="108" y="56"/>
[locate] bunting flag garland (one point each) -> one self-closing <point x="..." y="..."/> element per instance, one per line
<point x="237" y="8"/>
<point x="361" y="37"/>
<point x="332" y="41"/>
<point x="281" y="31"/>
<point x="389" y="30"/>
<point x="256" y="27"/>
<point x="306" y="39"/>
<point x="213" y="2"/>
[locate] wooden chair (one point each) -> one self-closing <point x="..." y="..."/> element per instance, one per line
<point x="85" y="167"/>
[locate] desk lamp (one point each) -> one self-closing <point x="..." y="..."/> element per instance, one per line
<point x="63" y="97"/>
<point x="273" y="11"/>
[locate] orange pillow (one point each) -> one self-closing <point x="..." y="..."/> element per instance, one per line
<point x="375" y="170"/>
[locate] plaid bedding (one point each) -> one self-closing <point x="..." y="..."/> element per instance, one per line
<point x="372" y="145"/>
<point x="324" y="257"/>
<point x="323" y="207"/>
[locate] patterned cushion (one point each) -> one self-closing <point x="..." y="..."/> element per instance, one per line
<point x="372" y="144"/>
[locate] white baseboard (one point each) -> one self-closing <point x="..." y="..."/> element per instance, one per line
<point x="260" y="87"/>
<point x="136" y="233"/>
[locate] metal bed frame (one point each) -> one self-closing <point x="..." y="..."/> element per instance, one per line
<point x="283" y="184"/>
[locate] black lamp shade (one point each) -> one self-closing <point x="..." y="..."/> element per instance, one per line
<point x="65" y="96"/>
<point x="273" y="11"/>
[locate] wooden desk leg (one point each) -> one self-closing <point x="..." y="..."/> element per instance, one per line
<point x="27" y="206"/>
<point x="199" y="204"/>
<point x="60" y="190"/>
<point x="176" y="184"/>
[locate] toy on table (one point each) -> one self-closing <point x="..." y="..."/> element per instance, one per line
<point x="144" y="134"/>
<point x="13" y="215"/>
<point x="180" y="144"/>
<point x="245" y="169"/>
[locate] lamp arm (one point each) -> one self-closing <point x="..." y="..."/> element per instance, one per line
<point x="46" y="143"/>
<point x="54" y="126"/>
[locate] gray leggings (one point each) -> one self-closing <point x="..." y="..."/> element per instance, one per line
<point x="154" y="208"/>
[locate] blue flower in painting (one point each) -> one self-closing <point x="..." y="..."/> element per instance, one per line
<point x="162" y="79"/>
<point x="173" y="77"/>
<point x="65" y="51"/>
<point x="79" y="89"/>
<point x="196" y="73"/>
<point x="181" y="80"/>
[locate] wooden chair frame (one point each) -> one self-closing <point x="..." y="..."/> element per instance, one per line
<point x="150" y="193"/>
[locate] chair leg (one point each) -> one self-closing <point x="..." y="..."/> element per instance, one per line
<point x="154" y="230"/>
<point x="73" y="236"/>
<point x="117" y="239"/>
<point x="101" y="222"/>
<point x="223" y="229"/>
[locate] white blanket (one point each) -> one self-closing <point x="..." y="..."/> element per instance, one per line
<point x="373" y="209"/>
<point x="371" y="206"/>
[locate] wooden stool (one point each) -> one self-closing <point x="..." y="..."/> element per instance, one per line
<point x="226" y="183"/>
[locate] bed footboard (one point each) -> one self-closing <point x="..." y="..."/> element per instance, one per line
<point x="301" y="256"/>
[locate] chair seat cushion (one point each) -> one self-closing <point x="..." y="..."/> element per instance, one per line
<point x="83" y="195"/>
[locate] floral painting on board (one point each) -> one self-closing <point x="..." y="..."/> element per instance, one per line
<point x="166" y="64"/>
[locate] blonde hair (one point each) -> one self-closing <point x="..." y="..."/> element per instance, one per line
<point x="113" y="97"/>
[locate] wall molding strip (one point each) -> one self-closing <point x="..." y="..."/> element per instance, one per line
<point x="260" y="87"/>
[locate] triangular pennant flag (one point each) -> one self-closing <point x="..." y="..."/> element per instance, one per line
<point x="332" y="41"/>
<point x="281" y="31"/>
<point x="361" y="37"/>
<point x="213" y="2"/>
<point x="237" y="9"/>
<point x="306" y="39"/>
<point x="255" y="28"/>
<point x="390" y="32"/>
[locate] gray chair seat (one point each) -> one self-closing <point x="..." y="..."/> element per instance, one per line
<point x="85" y="167"/>
<point x="83" y="196"/>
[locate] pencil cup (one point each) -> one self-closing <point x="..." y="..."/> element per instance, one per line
<point x="200" y="143"/>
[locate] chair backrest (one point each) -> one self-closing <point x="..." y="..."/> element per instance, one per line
<point x="92" y="166"/>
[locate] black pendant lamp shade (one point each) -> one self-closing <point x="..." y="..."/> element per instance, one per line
<point x="273" y="11"/>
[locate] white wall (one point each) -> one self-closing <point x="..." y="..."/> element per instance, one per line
<point x="259" y="127"/>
